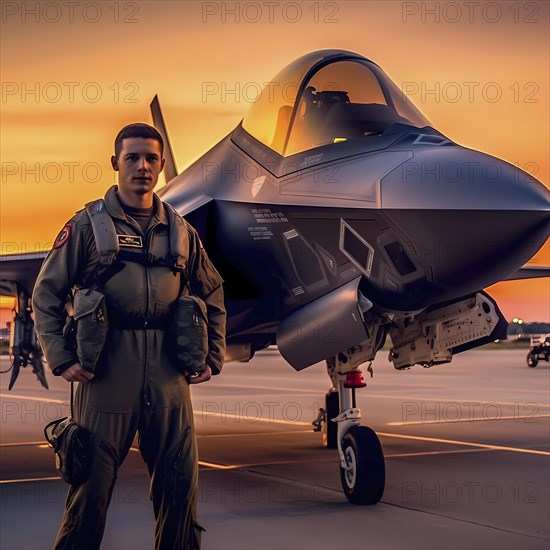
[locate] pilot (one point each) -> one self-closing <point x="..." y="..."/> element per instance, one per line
<point x="135" y="386"/>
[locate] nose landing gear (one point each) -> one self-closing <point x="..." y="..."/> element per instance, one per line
<point x="364" y="475"/>
<point x="362" y="468"/>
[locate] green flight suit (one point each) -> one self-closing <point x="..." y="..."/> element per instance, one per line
<point x="136" y="387"/>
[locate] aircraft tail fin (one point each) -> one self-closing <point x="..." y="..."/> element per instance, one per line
<point x="170" y="169"/>
<point x="530" y="272"/>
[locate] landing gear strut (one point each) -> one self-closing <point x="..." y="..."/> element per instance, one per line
<point x="362" y="468"/>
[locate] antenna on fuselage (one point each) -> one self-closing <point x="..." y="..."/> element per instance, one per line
<point x="170" y="169"/>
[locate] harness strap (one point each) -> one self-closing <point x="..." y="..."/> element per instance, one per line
<point x="104" y="231"/>
<point x="101" y="274"/>
<point x="111" y="257"/>
<point x="148" y="259"/>
<point x="179" y="239"/>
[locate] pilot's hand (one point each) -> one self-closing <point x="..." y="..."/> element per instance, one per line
<point x="200" y="377"/>
<point x="75" y="373"/>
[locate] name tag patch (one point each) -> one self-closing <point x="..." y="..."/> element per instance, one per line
<point x="133" y="241"/>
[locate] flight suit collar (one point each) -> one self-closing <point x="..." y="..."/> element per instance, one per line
<point x="159" y="211"/>
<point x="114" y="208"/>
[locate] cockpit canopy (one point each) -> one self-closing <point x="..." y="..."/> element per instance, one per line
<point x="341" y="96"/>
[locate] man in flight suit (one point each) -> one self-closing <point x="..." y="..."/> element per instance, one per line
<point x="135" y="385"/>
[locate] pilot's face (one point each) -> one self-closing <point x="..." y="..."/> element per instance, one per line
<point x="139" y="164"/>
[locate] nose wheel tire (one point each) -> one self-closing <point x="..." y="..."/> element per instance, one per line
<point x="364" y="477"/>
<point x="329" y="429"/>
<point x="532" y="360"/>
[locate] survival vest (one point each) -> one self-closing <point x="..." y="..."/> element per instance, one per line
<point x="108" y="248"/>
<point x="189" y="326"/>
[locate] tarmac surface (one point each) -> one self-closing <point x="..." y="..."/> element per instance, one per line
<point x="467" y="450"/>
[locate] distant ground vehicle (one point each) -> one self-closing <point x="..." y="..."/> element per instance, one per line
<point x="540" y="349"/>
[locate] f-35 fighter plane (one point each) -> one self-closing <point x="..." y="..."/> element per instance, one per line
<point x="337" y="216"/>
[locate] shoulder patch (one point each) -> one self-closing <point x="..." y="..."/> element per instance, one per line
<point x="63" y="237"/>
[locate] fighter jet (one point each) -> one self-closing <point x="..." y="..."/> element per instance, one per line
<point x="338" y="216"/>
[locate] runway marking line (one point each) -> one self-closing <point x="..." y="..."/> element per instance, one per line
<point x="24" y="443"/>
<point x="220" y="466"/>
<point x="466" y="443"/>
<point x="419" y="438"/>
<point x="29" y="479"/>
<point x="331" y="460"/>
<point x="251" y="420"/>
<point x="207" y="464"/>
<point x="270" y="388"/>
<point x="427" y="453"/>
<point x="136" y="450"/>
<point x="489" y="419"/>
<point x="252" y="434"/>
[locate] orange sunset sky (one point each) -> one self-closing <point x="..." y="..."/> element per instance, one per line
<point x="72" y="76"/>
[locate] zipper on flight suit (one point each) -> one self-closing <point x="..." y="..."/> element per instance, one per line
<point x="147" y="235"/>
<point x="146" y="395"/>
<point x="146" y="239"/>
<point x="145" y="390"/>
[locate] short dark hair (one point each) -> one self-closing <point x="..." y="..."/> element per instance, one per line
<point x="139" y="130"/>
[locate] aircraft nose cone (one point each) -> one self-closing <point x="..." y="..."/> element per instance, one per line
<point x="472" y="219"/>
<point x="458" y="178"/>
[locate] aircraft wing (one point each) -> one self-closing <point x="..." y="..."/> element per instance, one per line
<point x="19" y="269"/>
<point x="529" y="273"/>
<point x="18" y="273"/>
